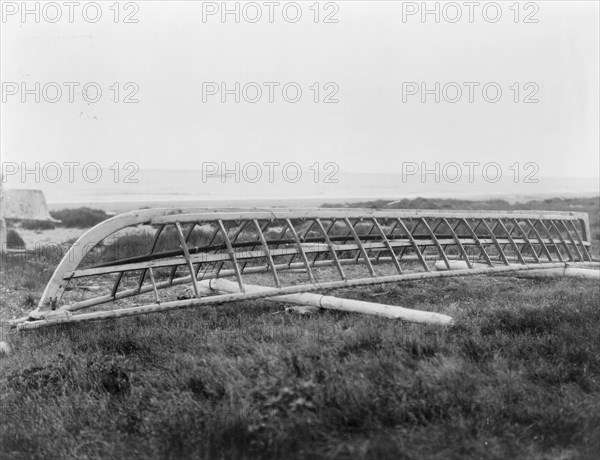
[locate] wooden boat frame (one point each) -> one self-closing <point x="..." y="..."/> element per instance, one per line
<point x="251" y="242"/>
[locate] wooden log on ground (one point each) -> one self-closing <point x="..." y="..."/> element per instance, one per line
<point x="335" y="303"/>
<point x="572" y="272"/>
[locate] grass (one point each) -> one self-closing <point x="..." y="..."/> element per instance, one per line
<point x="70" y="218"/>
<point x="80" y="217"/>
<point x="517" y="376"/>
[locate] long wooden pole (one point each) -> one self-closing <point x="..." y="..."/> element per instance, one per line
<point x="335" y="303"/>
<point x="571" y="272"/>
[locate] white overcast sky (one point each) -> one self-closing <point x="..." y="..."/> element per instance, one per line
<point x="170" y="52"/>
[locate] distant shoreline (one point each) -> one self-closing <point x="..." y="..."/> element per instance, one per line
<point x="182" y="188"/>
<point x="123" y="206"/>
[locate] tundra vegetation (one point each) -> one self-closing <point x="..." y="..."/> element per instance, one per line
<point x="517" y="376"/>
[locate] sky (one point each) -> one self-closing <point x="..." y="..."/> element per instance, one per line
<point x="369" y="60"/>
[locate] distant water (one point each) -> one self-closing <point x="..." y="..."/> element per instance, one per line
<point x="153" y="187"/>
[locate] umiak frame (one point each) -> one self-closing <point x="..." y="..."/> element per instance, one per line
<point x="410" y="241"/>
